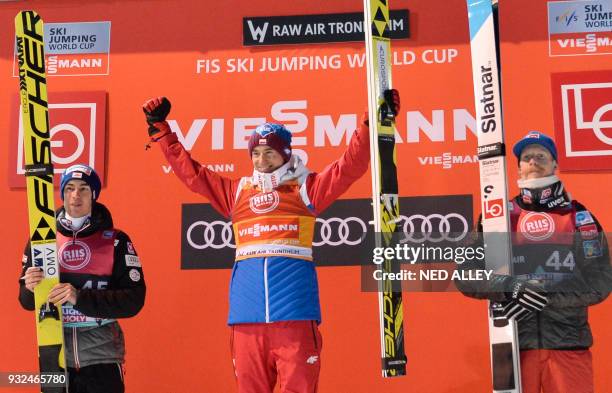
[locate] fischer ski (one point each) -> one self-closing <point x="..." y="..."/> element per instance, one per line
<point x="384" y="180"/>
<point x="39" y="180"/>
<point x="484" y="44"/>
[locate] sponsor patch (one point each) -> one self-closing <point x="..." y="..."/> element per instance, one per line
<point x="583" y="217"/>
<point x="135" y="275"/>
<point x="588" y="231"/>
<point x="592" y="248"/>
<point x="264" y="202"/>
<point x="132" y="260"/>
<point x="74" y="255"/>
<point x="108" y="234"/>
<point x="116" y="243"/>
<point x="130" y="248"/>
<point x="546" y="193"/>
<point x="537" y="226"/>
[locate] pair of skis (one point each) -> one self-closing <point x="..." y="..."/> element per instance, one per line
<point x="503" y="335"/>
<point x="39" y="182"/>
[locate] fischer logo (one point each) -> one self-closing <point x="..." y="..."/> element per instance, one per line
<point x="312" y="360"/>
<point x="537" y="226"/>
<point x="487" y="110"/>
<point x="74" y="255"/>
<point x="447" y="160"/>
<point x="264" y="202"/>
<point x="259" y="229"/>
<point x="583" y="119"/>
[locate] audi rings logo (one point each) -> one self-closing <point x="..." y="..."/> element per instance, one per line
<point x="215" y="234"/>
<point x="435" y="227"/>
<point x="342" y="236"/>
<point x="336" y="231"/>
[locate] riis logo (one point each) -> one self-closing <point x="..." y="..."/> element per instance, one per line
<point x="582" y="105"/>
<point x="77" y="126"/>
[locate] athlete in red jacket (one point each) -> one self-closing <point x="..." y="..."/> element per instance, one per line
<point x="274" y="297"/>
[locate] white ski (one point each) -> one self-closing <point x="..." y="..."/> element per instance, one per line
<point x="503" y="335"/>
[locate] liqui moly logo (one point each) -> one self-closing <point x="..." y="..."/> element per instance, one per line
<point x="537" y="226"/>
<point x="264" y="202"/>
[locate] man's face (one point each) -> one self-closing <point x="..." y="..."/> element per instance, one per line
<point x="266" y="159"/>
<point x="536" y="162"/>
<point x="77" y="198"/>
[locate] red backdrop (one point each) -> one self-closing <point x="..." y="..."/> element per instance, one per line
<point x="180" y="342"/>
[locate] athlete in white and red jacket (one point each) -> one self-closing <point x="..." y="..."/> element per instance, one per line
<point x="274" y="297"/>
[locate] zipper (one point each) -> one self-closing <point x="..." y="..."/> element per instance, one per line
<point x="75" y="348"/>
<point x="266" y="290"/>
<point x="314" y="335"/>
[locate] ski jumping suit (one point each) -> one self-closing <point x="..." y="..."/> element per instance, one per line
<point x="274" y="298"/>
<point x="565" y="249"/>
<point x="101" y="263"/>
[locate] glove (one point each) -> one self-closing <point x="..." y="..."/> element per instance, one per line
<point x="156" y="110"/>
<point x="392" y="101"/>
<point x="527" y="295"/>
<point x="514" y="310"/>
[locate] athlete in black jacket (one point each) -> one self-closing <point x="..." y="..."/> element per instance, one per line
<point x="101" y="280"/>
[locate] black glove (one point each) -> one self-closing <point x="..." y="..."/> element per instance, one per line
<point x="390" y="108"/>
<point x="392" y="99"/>
<point x="527" y="295"/>
<point x="156" y="110"/>
<point x="514" y="310"/>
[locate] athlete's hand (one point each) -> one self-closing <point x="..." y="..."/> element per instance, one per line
<point x="62" y="293"/>
<point x="156" y="110"/>
<point x="32" y="277"/>
<point x="392" y="98"/>
<point x="527" y="294"/>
